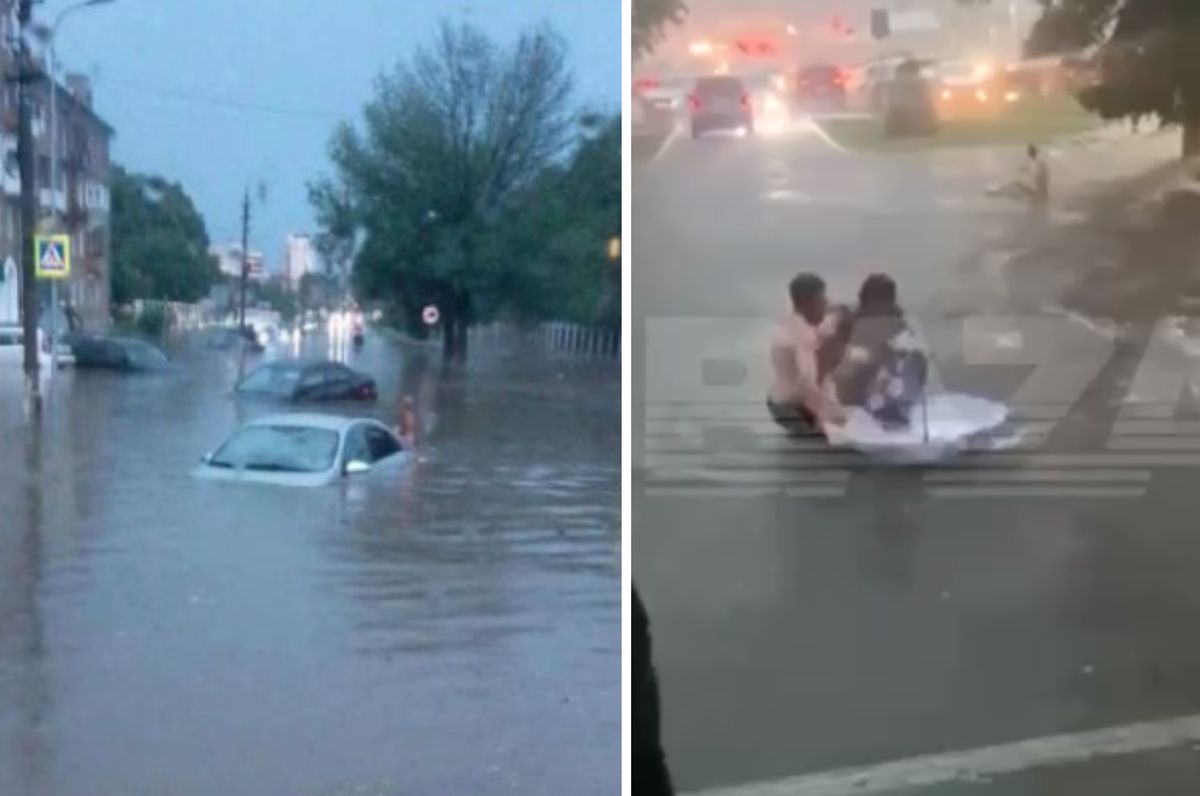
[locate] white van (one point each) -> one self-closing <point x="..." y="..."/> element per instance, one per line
<point x="12" y="348"/>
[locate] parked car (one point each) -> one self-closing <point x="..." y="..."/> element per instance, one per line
<point x="118" y="353"/>
<point x="12" y="348"/>
<point x="720" y="103"/>
<point x="304" y="450"/>
<point x="228" y="338"/>
<point x="821" y="87"/>
<point x="308" y="381"/>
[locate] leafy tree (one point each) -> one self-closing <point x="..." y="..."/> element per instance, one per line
<point x="451" y="137"/>
<point x="1149" y="59"/>
<point x="159" y="242"/>
<point x="650" y="19"/>
<point x="559" y="231"/>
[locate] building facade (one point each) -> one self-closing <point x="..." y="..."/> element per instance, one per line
<point x="299" y="258"/>
<point x="77" y="205"/>
<point x="229" y="262"/>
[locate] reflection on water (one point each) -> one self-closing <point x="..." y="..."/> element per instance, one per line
<point x="452" y="629"/>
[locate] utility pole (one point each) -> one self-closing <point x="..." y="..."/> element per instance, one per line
<point x="245" y="258"/>
<point x="26" y="158"/>
<point x="245" y="278"/>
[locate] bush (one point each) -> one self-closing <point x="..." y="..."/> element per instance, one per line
<point x="152" y="322"/>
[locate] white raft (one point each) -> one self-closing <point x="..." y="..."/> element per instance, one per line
<point x="942" y="426"/>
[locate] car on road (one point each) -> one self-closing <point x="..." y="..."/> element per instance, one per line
<point x="227" y="338"/>
<point x="969" y="90"/>
<point x="12" y="348"/>
<point x="304" y="450"/>
<point x="291" y="380"/>
<point x="118" y="353"/>
<point x="820" y="87"/>
<point x="721" y="103"/>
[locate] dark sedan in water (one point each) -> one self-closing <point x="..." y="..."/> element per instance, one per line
<point x="308" y="381"/>
<point x="118" y="353"/>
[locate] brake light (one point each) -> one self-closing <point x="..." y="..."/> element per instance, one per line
<point x="366" y="392"/>
<point x="694" y="102"/>
<point x="745" y="100"/>
<point x="839" y="78"/>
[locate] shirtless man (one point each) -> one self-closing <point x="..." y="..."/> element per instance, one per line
<point x="407" y="424"/>
<point x="802" y="399"/>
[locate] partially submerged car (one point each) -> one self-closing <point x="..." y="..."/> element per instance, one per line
<point x="304" y="450"/>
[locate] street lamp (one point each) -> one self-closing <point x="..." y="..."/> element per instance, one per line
<point x="48" y="35"/>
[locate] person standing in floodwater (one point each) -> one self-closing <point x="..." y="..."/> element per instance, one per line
<point x="407" y="426"/>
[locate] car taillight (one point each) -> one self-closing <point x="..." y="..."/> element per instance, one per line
<point x="745" y="100"/>
<point x="366" y="391"/>
<point x="694" y="102"/>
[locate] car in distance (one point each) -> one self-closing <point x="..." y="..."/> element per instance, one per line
<point x="304" y="450"/>
<point x="308" y="381"/>
<point x="118" y="353"/>
<point x="12" y="348"/>
<point x="820" y="87"/>
<point x="720" y="103"/>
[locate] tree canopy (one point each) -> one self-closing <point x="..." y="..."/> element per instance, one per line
<point x="1149" y="56"/>
<point x="159" y="241"/>
<point x="650" y="19"/>
<point x="461" y="145"/>
<point x="557" y="234"/>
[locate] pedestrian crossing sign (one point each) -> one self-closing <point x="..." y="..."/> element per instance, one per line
<point x="53" y="254"/>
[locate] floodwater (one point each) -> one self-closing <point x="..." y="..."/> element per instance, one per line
<point x="453" y="630"/>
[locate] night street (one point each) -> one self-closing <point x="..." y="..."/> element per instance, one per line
<point x="453" y="631"/>
<point x="812" y="613"/>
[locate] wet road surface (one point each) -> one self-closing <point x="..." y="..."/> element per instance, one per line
<point x="454" y="631"/>
<point x="812" y="613"/>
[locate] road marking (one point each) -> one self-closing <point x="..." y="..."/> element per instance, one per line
<point x="671" y="138"/>
<point x="826" y="137"/>
<point x="975" y="764"/>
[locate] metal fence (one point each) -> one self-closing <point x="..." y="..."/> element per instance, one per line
<point x="573" y="338"/>
<point x="570" y="339"/>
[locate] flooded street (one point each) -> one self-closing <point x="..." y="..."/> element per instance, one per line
<point x="455" y="629"/>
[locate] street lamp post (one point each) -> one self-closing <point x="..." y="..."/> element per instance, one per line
<point x="50" y="35"/>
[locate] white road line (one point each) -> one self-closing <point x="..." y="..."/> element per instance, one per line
<point x="973" y="764"/>
<point x="1089" y="476"/>
<point x="827" y="138"/>
<point x="1033" y="492"/>
<point x="666" y="145"/>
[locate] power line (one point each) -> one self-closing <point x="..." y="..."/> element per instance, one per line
<point x="210" y="99"/>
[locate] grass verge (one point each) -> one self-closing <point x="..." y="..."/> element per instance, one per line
<point x="1036" y="121"/>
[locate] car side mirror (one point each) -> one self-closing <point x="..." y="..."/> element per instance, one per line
<point x="357" y="467"/>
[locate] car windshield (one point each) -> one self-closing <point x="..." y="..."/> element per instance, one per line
<point x="142" y="355"/>
<point x="280" y="448"/>
<point x="719" y="87"/>
<point x="280" y="380"/>
<point x="817" y="73"/>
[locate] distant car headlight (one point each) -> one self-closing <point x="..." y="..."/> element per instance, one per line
<point x="947" y="94"/>
<point x="981" y="95"/>
<point x="1012" y="96"/>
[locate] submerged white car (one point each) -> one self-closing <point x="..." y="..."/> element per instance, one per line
<point x="304" y="450"/>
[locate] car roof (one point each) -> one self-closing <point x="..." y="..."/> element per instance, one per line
<point x="301" y="363"/>
<point x="338" y="423"/>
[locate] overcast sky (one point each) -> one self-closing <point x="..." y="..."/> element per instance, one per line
<point x="218" y="93"/>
